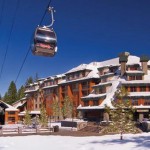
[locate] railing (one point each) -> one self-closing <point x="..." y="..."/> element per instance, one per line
<point x="26" y="130"/>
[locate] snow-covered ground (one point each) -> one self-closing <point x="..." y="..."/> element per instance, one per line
<point x="108" y="142"/>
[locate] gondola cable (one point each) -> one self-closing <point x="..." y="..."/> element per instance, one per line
<point x="30" y="44"/>
<point x="10" y="33"/>
<point x="23" y="62"/>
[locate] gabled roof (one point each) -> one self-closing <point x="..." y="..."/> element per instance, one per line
<point x="8" y="107"/>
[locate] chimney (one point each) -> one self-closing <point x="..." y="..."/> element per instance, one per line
<point x="123" y="58"/>
<point x="144" y="59"/>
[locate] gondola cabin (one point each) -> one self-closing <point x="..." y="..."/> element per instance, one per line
<point x="45" y="42"/>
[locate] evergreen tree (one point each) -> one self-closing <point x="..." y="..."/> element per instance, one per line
<point x="43" y="117"/>
<point x="67" y="108"/>
<point x="20" y="93"/>
<point x="27" y="119"/>
<point x="121" y="115"/>
<point x="11" y="95"/>
<point x="5" y="98"/>
<point x="29" y="81"/>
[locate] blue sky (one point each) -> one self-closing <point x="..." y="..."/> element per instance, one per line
<point x="87" y="30"/>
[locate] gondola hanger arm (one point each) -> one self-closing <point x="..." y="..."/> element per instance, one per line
<point x="51" y="10"/>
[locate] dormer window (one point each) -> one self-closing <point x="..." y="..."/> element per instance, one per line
<point x="83" y="74"/>
<point x="77" y="74"/>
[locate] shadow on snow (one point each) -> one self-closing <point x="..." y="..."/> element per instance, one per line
<point x="139" y="141"/>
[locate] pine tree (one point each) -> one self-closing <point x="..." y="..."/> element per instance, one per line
<point x="121" y="115"/>
<point x="20" y="93"/>
<point x="43" y="117"/>
<point x="5" y="98"/>
<point x="27" y="119"/>
<point x="67" y="108"/>
<point x="11" y="95"/>
<point x="29" y="81"/>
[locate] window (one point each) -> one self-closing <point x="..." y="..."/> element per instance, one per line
<point x="134" y="102"/>
<point x="77" y="75"/>
<point x="143" y="88"/>
<point x="75" y="86"/>
<point x="149" y="88"/>
<point x="138" y="77"/>
<point x="95" y="103"/>
<point x="147" y="102"/>
<point x="11" y="112"/>
<point x="83" y="74"/>
<point x="85" y="85"/>
<point x="11" y="119"/>
<point x="85" y="93"/>
<point x="133" y="89"/>
<point x="86" y="103"/>
<point x="132" y="78"/>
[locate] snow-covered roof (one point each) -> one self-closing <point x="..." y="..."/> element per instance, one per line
<point x="9" y="107"/>
<point x="142" y="106"/>
<point x="50" y="86"/>
<point x="29" y="91"/>
<point x="83" y="67"/>
<point x="106" y="75"/>
<point x="102" y="84"/>
<point x="110" y="95"/>
<point x="133" y="60"/>
<point x="90" y="107"/>
<point x="94" y="96"/>
<point x="36" y="112"/>
<point x="19" y="104"/>
<point x="136" y="82"/>
<point x="54" y="77"/>
<point x="91" y="75"/>
<point x="139" y="94"/>
<point x="110" y="62"/>
<point x="80" y="79"/>
<point x="134" y="71"/>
